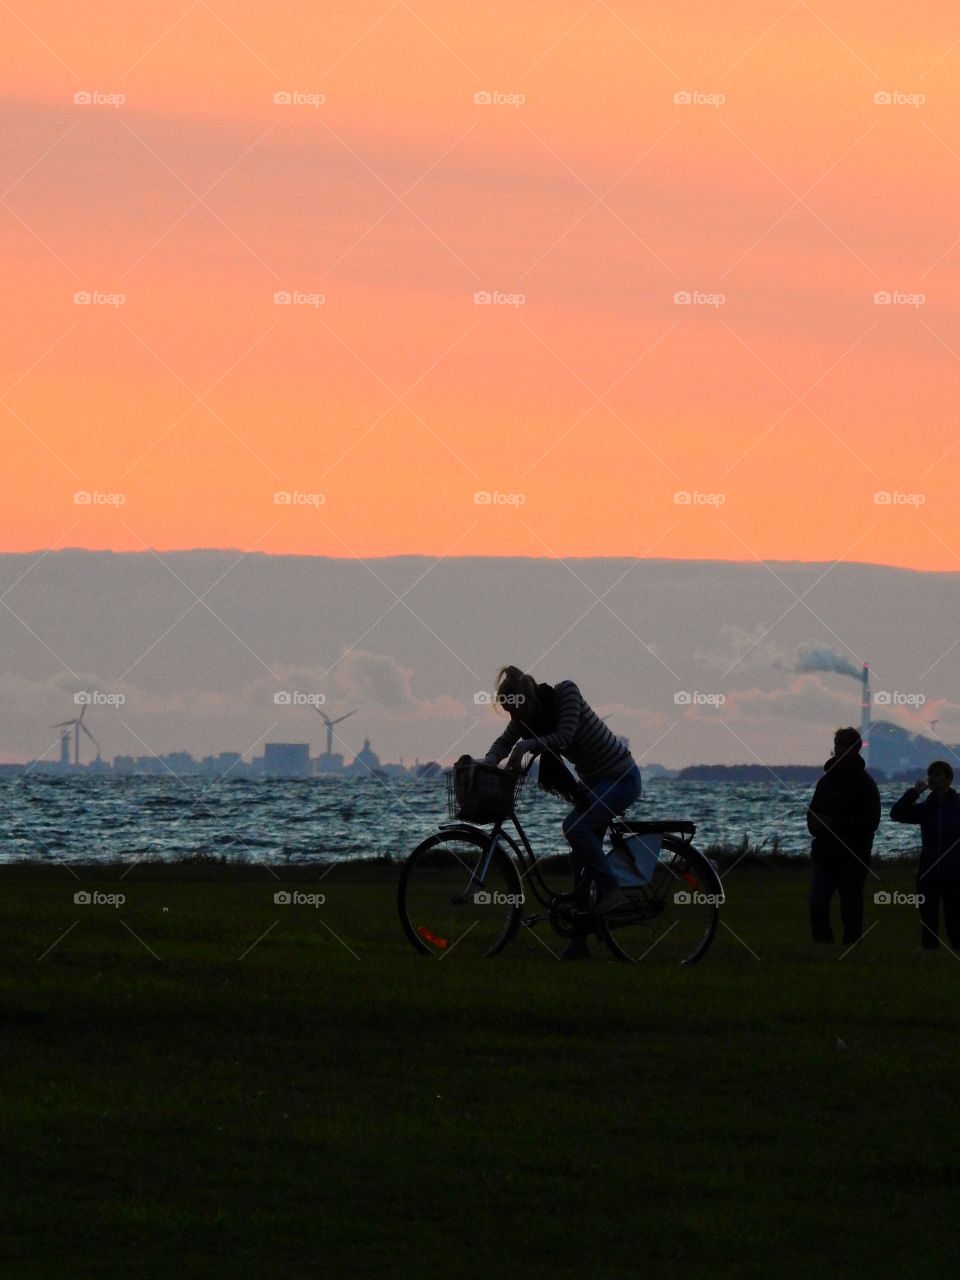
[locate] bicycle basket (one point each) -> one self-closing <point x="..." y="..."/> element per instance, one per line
<point x="480" y="792"/>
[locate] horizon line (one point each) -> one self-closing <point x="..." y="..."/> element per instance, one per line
<point x="437" y="558"/>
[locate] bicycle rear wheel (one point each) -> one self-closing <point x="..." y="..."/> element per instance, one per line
<point x="673" y="919"/>
<point x="449" y="903"/>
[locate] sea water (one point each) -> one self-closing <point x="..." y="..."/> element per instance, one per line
<point x="90" y="818"/>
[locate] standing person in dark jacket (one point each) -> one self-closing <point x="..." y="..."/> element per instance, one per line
<point x="938" y="871"/>
<point x="843" y="816"/>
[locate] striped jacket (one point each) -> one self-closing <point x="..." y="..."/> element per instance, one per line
<point x="593" y="749"/>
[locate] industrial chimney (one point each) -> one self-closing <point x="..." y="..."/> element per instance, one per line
<point x="865" y="714"/>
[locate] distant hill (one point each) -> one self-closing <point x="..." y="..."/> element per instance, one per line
<point x="895" y="753"/>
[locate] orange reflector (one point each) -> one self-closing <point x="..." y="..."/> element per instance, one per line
<point x="427" y="936"/>
<point x="690" y="878"/>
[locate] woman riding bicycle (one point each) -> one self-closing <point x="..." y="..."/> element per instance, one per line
<point x="551" y="721"/>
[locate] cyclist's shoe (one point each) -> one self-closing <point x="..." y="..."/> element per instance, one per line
<point x="576" y="949"/>
<point x="609" y="900"/>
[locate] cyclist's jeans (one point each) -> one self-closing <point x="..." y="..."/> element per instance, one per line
<point x="585" y="828"/>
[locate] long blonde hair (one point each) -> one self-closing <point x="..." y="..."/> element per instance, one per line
<point x="516" y="691"/>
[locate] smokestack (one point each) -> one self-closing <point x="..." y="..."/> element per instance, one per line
<point x="865" y="714"/>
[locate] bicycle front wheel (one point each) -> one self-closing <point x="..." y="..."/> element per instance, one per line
<point x="673" y="919"/>
<point x="456" y="898"/>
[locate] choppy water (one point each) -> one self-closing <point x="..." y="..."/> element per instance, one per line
<point x="119" y="819"/>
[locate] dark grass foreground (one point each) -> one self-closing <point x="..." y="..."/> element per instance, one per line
<point x="201" y="1082"/>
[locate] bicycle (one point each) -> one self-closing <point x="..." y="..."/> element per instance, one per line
<point x="462" y="889"/>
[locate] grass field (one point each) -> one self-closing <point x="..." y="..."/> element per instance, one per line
<point x="198" y="1082"/>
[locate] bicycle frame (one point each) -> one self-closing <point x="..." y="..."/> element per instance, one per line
<point x="523" y="852"/>
<point x="528" y="860"/>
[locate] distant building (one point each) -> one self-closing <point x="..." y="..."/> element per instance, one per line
<point x="148" y="764"/>
<point x="226" y="762"/>
<point x="395" y="770"/>
<point x="286" y="759"/>
<point x="366" y="760"/>
<point x="328" y="762"/>
<point x="178" y="762"/>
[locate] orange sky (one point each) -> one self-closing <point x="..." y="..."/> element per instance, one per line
<point x="592" y="404"/>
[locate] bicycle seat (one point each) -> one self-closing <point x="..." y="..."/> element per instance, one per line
<point x="666" y="826"/>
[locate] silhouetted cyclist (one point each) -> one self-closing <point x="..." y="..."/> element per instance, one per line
<point x="551" y="721"/>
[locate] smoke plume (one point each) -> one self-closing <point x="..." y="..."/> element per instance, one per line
<point x="812" y="659"/>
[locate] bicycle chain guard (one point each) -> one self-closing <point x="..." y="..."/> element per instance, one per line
<point x="568" y="921"/>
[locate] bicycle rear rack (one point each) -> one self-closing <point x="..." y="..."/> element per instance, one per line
<point x="663" y="827"/>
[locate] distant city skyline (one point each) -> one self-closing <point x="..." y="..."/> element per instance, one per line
<point x="892" y="752"/>
<point x="279" y="759"/>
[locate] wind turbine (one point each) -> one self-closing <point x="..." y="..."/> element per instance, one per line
<point x="330" y="723"/>
<point x="77" y="724"/>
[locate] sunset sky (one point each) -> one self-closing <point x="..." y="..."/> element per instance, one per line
<point x="783" y="188"/>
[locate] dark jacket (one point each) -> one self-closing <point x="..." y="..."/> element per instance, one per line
<point x="939" y="823"/>
<point x="843" y="815"/>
